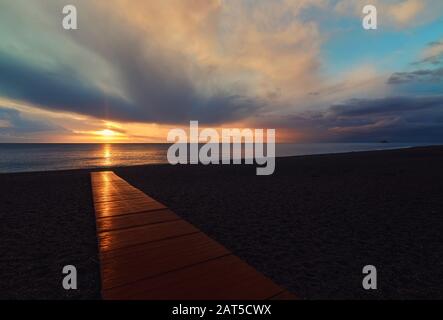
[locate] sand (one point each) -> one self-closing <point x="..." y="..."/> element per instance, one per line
<point x="46" y="222"/>
<point x="311" y="226"/>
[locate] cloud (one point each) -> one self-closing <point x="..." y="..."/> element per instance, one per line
<point x="407" y="11"/>
<point x="141" y="63"/>
<point x="430" y="70"/>
<point x="164" y="61"/>
<point x="385" y="106"/>
<point x="397" y="119"/>
<point x="363" y="81"/>
<point x="403" y="119"/>
<point x="397" y="13"/>
<point x="14" y="125"/>
<point x="55" y="90"/>
<point x="425" y="75"/>
<point x="432" y="54"/>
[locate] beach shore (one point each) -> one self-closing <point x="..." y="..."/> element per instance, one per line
<point x="310" y="227"/>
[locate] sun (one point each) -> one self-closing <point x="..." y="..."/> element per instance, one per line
<point x="107" y="133"/>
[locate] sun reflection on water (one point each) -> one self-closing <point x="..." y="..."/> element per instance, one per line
<point x="107" y="154"/>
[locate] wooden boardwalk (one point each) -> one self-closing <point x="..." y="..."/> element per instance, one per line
<point x="148" y="252"/>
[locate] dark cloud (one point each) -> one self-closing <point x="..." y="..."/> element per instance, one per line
<point x="434" y="59"/>
<point x="56" y="91"/>
<point x="426" y="75"/>
<point x="393" y="118"/>
<point x="13" y="123"/>
<point x="386" y="106"/>
<point x="397" y="119"/>
<point x="156" y="95"/>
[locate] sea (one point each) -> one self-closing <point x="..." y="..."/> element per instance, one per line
<point x="24" y="157"/>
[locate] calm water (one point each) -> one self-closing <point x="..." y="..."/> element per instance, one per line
<point x="43" y="157"/>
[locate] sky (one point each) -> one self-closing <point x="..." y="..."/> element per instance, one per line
<point x="136" y="69"/>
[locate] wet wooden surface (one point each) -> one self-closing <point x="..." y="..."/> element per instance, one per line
<point x="148" y="252"/>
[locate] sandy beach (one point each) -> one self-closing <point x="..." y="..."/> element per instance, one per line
<point x="310" y="227"/>
<point x="47" y="222"/>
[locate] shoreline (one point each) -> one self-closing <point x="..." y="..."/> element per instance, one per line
<point x="102" y="168"/>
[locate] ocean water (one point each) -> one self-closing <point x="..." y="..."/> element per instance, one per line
<point x="45" y="157"/>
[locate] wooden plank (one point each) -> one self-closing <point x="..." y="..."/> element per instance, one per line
<point x="126" y="265"/>
<point x="116" y="239"/>
<point x="113" y="205"/>
<point x="117" y="208"/>
<point x="119" y="196"/>
<point x="134" y="220"/>
<point x="140" y="201"/>
<point x="105" y="176"/>
<point x="223" y="278"/>
<point x="114" y="189"/>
